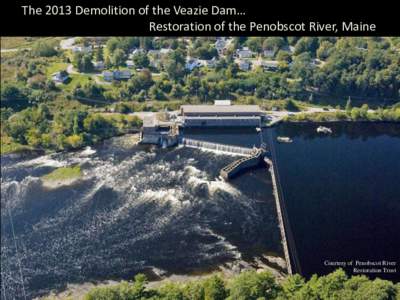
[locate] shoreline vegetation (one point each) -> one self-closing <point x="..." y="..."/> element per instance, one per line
<point x="61" y="177"/>
<point x="248" y="285"/>
<point x="40" y="111"/>
<point x="355" y="114"/>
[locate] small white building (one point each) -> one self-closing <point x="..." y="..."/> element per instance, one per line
<point x="60" y="77"/>
<point x="245" y="52"/>
<point x="244" y="65"/>
<point x="82" y="49"/>
<point x="192" y="63"/>
<point x="222" y="102"/>
<point x="130" y="63"/>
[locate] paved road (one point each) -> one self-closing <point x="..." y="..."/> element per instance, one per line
<point x="14" y="50"/>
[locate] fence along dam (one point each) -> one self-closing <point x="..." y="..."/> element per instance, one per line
<point x="252" y="157"/>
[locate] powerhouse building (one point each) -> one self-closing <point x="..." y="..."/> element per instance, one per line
<point x="221" y="114"/>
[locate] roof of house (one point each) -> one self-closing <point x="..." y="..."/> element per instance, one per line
<point x="221" y="109"/>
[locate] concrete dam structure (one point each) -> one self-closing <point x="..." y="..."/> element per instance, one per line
<point x="192" y="143"/>
<point x="253" y="160"/>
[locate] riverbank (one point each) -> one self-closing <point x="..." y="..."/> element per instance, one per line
<point x="355" y="115"/>
<point x="157" y="278"/>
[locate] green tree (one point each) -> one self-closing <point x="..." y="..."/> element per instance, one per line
<point x="118" y="58"/>
<point x="44" y="48"/>
<point x="99" y="54"/>
<point x="141" y="60"/>
<point x="214" y="289"/>
<point x="250" y="285"/>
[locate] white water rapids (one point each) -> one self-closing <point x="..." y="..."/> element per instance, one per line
<point x="133" y="210"/>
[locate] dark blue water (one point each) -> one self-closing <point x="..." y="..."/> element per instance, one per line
<point x="342" y="194"/>
<point x="342" y="191"/>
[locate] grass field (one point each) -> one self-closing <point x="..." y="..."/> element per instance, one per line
<point x="22" y="42"/>
<point x="55" y="67"/>
<point x="64" y="173"/>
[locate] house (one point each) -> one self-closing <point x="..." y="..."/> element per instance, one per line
<point x="60" y="77"/>
<point x="245" y="52"/>
<point x="210" y="63"/>
<point x="117" y="75"/>
<point x="220" y="45"/>
<point x="270" y="65"/>
<point x="98" y="65"/>
<point x="192" y="63"/>
<point x="130" y="63"/>
<point x="269" y="53"/>
<point x="108" y="75"/>
<point x="122" y="75"/>
<point x="83" y="49"/>
<point x="244" y="65"/>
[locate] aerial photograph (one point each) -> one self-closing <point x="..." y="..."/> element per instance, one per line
<point x="200" y="168"/>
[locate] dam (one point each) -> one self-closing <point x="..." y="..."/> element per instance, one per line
<point x="251" y="158"/>
<point x="224" y="115"/>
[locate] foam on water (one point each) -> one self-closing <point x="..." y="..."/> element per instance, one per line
<point x="128" y="213"/>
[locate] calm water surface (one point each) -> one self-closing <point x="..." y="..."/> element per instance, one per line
<point x="342" y="194"/>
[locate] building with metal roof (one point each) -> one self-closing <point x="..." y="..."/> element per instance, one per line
<point x="221" y="115"/>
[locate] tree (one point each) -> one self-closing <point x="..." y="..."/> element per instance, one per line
<point x="307" y="44"/>
<point x="141" y="60"/>
<point x="112" y="44"/>
<point x="174" y="65"/>
<point x="284" y="56"/>
<point x="214" y="289"/>
<point x="44" y="48"/>
<point x="10" y="91"/>
<point x="250" y="285"/>
<point x="118" y="58"/>
<point x="99" y="53"/>
<point x="82" y="62"/>
<point x="290" y="105"/>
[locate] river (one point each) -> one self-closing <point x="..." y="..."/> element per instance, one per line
<point x="165" y="211"/>
<point x="137" y="209"/>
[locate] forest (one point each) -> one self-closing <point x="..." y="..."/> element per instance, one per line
<point x="251" y="285"/>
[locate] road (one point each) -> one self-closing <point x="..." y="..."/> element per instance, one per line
<point x="14" y="50"/>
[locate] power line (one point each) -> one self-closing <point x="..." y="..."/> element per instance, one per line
<point x="16" y="251"/>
